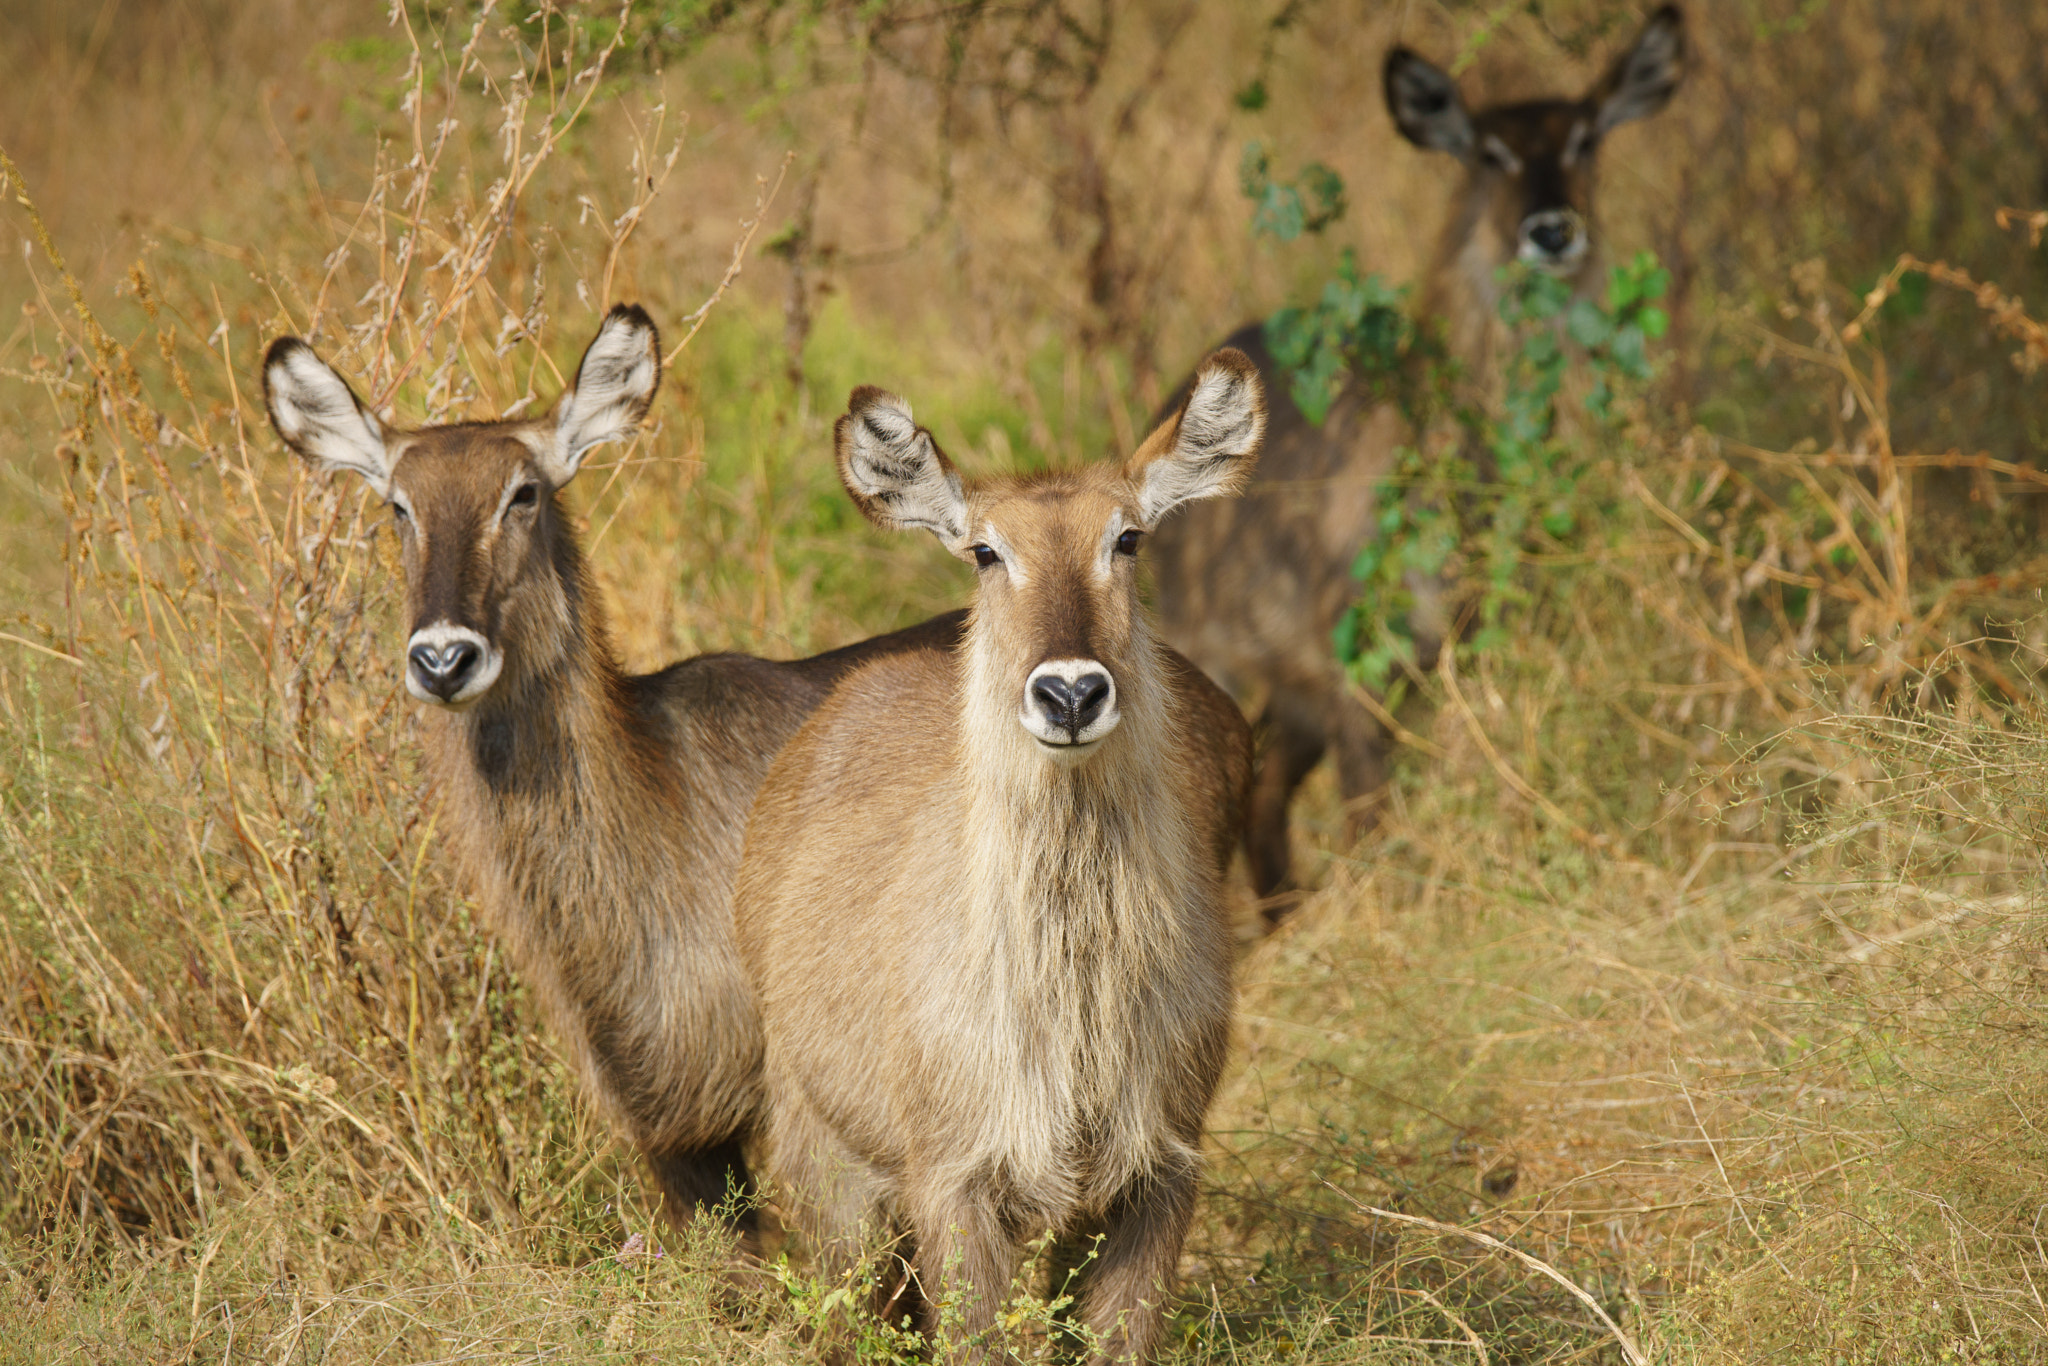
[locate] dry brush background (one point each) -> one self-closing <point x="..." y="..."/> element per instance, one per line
<point x="1700" y="959"/>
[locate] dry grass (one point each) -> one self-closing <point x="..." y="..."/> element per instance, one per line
<point x="1699" y="957"/>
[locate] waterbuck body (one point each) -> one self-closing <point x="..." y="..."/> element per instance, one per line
<point x="598" y="815"/>
<point x="1252" y="588"/>
<point x="983" y="892"/>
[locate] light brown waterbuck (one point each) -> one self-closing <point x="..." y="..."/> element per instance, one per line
<point x="983" y="892"/>
<point x="1251" y="589"/>
<point x="597" y="814"/>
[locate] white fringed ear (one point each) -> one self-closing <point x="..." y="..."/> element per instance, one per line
<point x="1641" y="81"/>
<point x="1426" y="106"/>
<point x="1209" y="447"/>
<point x="615" y="386"/>
<point x="895" y="473"/>
<point x="320" y="417"/>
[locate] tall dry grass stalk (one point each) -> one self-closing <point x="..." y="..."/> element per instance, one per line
<point x="237" y="975"/>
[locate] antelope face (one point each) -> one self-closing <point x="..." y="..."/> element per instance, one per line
<point x="1058" y="633"/>
<point x="1056" y="560"/>
<point x="475" y="516"/>
<point x="1529" y="166"/>
<point x="485" y="546"/>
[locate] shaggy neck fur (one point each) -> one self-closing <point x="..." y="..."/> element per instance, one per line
<point x="1086" y="881"/>
<point x="582" y="838"/>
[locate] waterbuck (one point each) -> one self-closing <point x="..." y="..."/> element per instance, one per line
<point x="1252" y="589"/>
<point x="982" y="897"/>
<point x="597" y="814"/>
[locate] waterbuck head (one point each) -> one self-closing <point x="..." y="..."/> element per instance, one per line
<point x="1529" y="166"/>
<point x="491" y="569"/>
<point x="1058" y="638"/>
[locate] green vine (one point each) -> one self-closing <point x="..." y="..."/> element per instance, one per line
<point x="1358" y="328"/>
<point x="1467" y="515"/>
<point x="1513" y="484"/>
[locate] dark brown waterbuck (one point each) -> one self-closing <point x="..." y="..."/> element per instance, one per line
<point x="983" y="892"/>
<point x="597" y="814"/>
<point x="1251" y="589"/>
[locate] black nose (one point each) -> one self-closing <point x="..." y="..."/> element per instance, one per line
<point x="1553" y="237"/>
<point x="1071" y="704"/>
<point x="443" y="669"/>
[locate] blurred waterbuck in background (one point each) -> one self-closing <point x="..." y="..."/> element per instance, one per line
<point x="983" y="893"/>
<point x="599" y="815"/>
<point x="1252" y="589"/>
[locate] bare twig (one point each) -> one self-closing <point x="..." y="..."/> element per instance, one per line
<point x="748" y="227"/>
<point x="1629" y="1351"/>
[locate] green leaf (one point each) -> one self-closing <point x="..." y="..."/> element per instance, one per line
<point x="1600" y="399"/>
<point x="1627" y="351"/>
<point x="1313" y="399"/>
<point x="1587" y="325"/>
<point x="1344" y="639"/>
<point x="1426" y="555"/>
<point x="1367" y="564"/>
<point x="1372" y="669"/>
<point x="1279" y="213"/>
<point x="1252" y="98"/>
<point x="1282" y="209"/>
<point x="1291" y="337"/>
<point x="1326" y="187"/>
<point x="1654" y="322"/>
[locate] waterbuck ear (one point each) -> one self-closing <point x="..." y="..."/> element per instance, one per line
<point x="1641" y="80"/>
<point x="1426" y="106"/>
<point x="895" y="473"/>
<point x="1208" y="448"/>
<point x="320" y="417"/>
<point x="614" y="388"/>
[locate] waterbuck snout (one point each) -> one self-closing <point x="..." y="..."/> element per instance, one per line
<point x="1070" y="704"/>
<point x="597" y="814"/>
<point x="452" y="665"/>
<point x="993" y="952"/>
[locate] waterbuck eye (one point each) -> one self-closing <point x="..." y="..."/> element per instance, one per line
<point x="1127" y="544"/>
<point x="984" y="557"/>
<point x="526" y="495"/>
<point x="1497" y="155"/>
<point x="399" y="513"/>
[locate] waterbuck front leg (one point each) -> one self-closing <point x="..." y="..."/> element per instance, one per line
<point x="1123" y="1296"/>
<point x="695" y="1181"/>
<point x="1291" y="742"/>
<point x="833" y="1198"/>
<point x="838" y="1203"/>
<point x="964" y="1263"/>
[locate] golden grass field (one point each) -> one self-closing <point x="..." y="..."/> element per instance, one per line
<point x="1688" y="1004"/>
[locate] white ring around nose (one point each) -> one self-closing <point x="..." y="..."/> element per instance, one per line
<point x="1057" y="738"/>
<point x="490" y="663"/>
<point x="1576" y="243"/>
